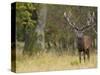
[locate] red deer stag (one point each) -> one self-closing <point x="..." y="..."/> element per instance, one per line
<point x="84" y="42"/>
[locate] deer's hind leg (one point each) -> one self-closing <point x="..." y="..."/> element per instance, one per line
<point x="88" y="54"/>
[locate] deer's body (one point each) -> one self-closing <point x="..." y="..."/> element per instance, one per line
<point x="84" y="44"/>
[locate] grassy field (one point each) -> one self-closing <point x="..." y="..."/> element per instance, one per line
<point x="50" y="62"/>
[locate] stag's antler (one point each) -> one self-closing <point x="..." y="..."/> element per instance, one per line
<point x="68" y="19"/>
<point x="92" y="16"/>
<point x="90" y="21"/>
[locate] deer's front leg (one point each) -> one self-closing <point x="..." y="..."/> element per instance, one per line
<point x="79" y="56"/>
<point x="84" y="54"/>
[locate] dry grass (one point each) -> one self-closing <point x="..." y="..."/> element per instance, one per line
<point x="50" y="61"/>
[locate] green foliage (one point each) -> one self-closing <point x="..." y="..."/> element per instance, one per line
<point x="24" y="19"/>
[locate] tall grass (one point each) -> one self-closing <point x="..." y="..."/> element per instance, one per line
<point x="51" y="61"/>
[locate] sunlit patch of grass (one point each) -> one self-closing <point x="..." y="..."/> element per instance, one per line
<point x="74" y="63"/>
<point x="50" y="61"/>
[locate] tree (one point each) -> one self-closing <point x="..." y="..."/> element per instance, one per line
<point x="26" y="21"/>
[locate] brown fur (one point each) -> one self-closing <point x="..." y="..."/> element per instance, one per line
<point x="84" y="46"/>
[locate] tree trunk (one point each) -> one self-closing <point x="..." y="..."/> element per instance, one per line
<point x="41" y="25"/>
